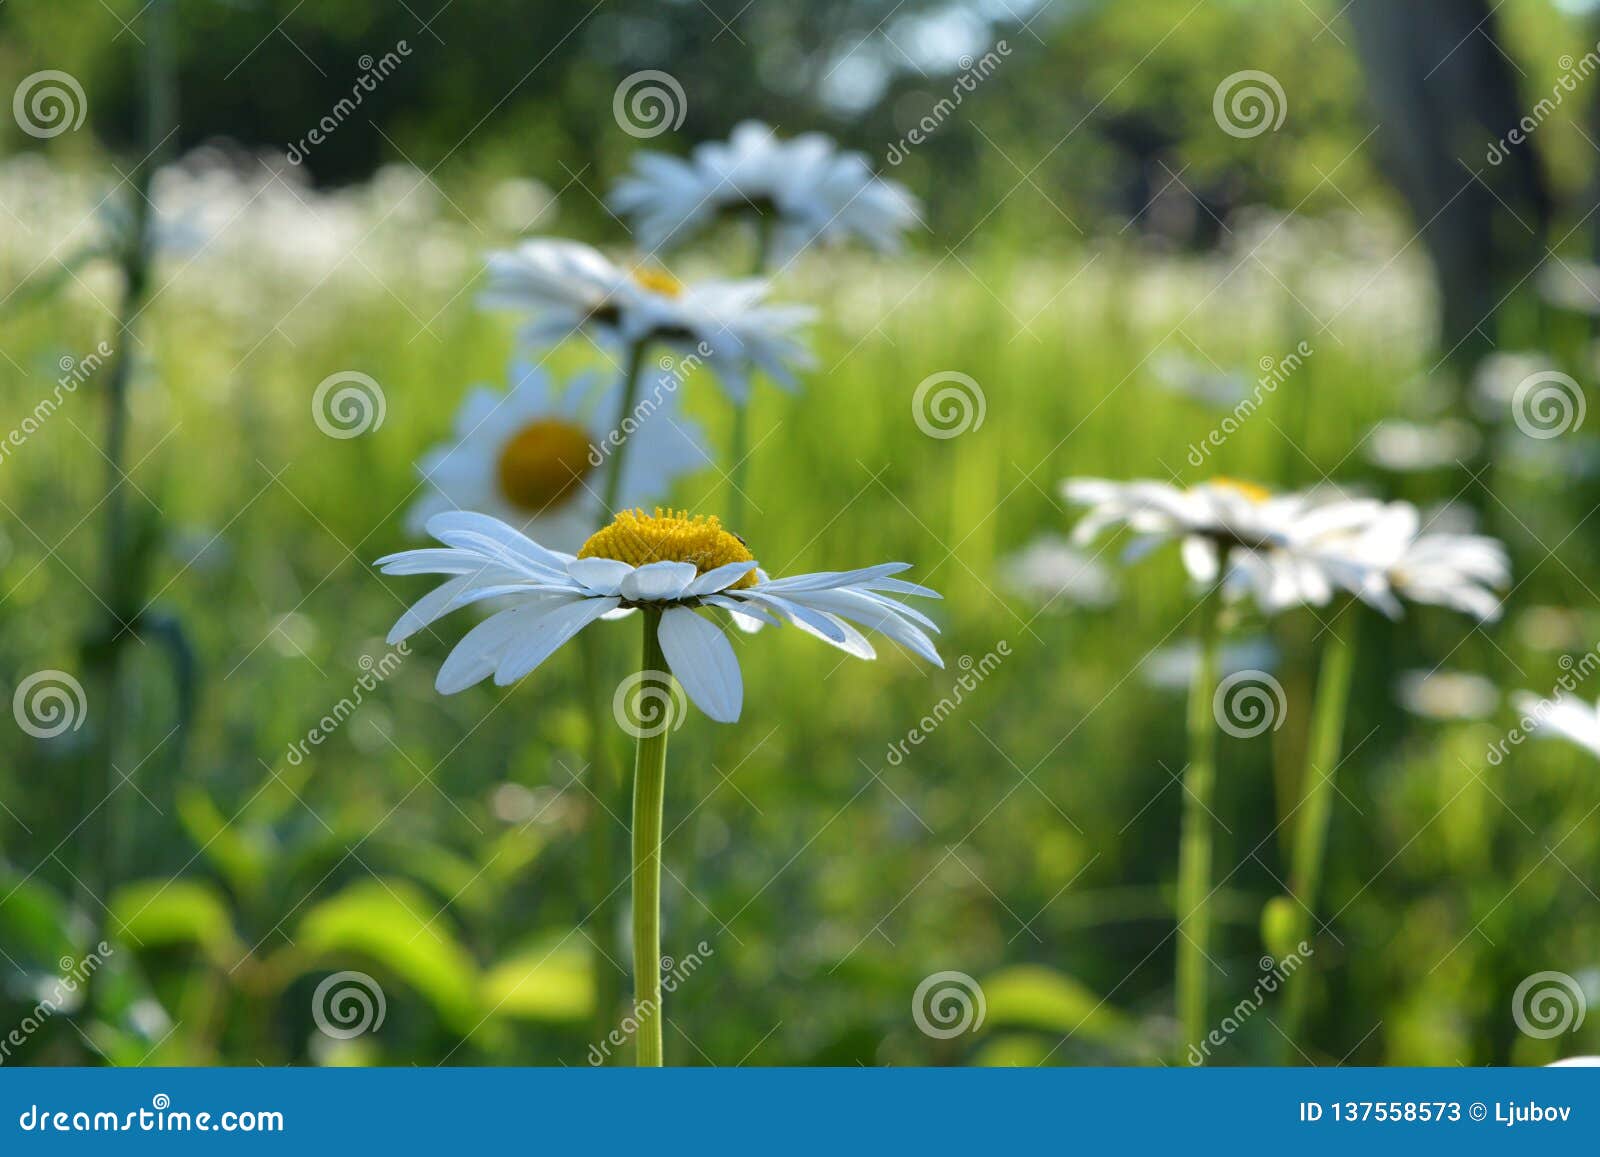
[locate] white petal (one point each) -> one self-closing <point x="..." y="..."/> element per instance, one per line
<point x="703" y="661"/>
<point x="475" y="656"/>
<point x="720" y="578"/>
<point x="553" y="628"/>
<point x="828" y="579"/>
<point x="658" y="582"/>
<point x="603" y="576"/>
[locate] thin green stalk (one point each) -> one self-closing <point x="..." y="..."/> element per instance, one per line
<point x="633" y="376"/>
<point x="649" y="791"/>
<point x="1316" y="803"/>
<point x="1194" y="849"/>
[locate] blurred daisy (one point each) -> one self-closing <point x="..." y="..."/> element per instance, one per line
<point x="1403" y="447"/>
<point x="1270" y="547"/>
<point x="1181" y="374"/>
<point x="1174" y="668"/>
<point x="568" y="286"/>
<point x="1565" y="715"/>
<point x="1051" y="568"/>
<point x="668" y="564"/>
<point x="529" y="456"/>
<point x="1446" y="694"/>
<point x="1497" y="376"/>
<point x="1389" y="560"/>
<point x="805" y="189"/>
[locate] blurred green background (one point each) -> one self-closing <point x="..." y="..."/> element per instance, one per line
<point x="1097" y="254"/>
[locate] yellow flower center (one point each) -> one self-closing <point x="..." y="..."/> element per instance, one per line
<point x="636" y="538"/>
<point x="543" y="463"/>
<point x="1248" y="490"/>
<point x="657" y="281"/>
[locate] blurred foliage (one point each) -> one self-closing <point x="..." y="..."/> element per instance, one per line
<point x="438" y="844"/>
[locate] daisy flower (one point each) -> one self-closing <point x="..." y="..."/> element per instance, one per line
<point x="530" y="456"/>
<point x="668" y="564"/>
<point x="671" y="568"/>
<point x="804" y="189"/>
<point x="1389" y="560"/>
<point x="1259" y="544"/>
<point x="567" y="286"/>
<point x="1565" y="715"/>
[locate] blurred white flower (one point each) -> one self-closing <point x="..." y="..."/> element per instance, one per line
<point x="1173" y="668"/>
<point x="1495" y="381"/>
<point x="1272" y="547"/>
<point x="1403" y="446"/>
<point x="1565" y="715"/>
<point x="529" y="456"/>
<point x="1570" y="284"/>
<point x="805" y="189"/>
<point x="1050" y="568"/>
<point x="567" y="286"/>
<point x="1182" y="374"/>
<point x="1446" y="694"/>
<point x="1389" y="559"/>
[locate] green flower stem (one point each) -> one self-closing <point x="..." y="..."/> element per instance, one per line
<point x="633" y="378"/>
<point x="1316" y="802"/>
<point x="1194" y="849"/>
<point x="649" y="790"/>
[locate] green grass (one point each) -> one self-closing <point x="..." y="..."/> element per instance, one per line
<point x="1029" y="842"/>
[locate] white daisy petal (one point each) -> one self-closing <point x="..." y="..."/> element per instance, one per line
<point x="703" y="661"/>
<point x="601" y="576"/>
<point x="558" y="621"/>
<point x="657" y="582"/>
<point x="720" y="578"/>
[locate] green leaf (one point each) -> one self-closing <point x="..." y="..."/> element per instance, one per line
<point x="396" y="926"/>
<point x="157" y="913"/>
<point x="550" y="981"/>
<point x="241" y="860"/>
<point x="1033" y="996"/>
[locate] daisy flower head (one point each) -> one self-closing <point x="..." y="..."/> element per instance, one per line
<point x="805" y="189"/>
<point x="531" y="456"/>
<point x="1391" y="559"/>
<point x="669" y="565"/>
<point x="1564" y="715"/>
<point x="1258" y="544"/>
<point x="567" y="286"/>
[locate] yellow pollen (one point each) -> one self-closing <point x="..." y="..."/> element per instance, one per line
<point x="1248" y="489"/>
<point x="636" y="538"/>
<point x="543" y="463"/>
<point x="657" y="281"/>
